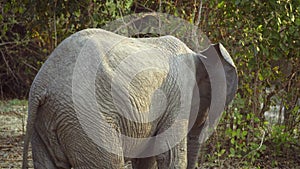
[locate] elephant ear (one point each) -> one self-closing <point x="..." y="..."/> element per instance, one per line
<point x="229" y="69"/>
<point x="230" y="72"/>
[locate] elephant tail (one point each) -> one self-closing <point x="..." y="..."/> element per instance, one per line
<point x="33" y="104"/>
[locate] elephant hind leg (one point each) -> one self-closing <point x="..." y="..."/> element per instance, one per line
<point x="144" y="163"/>
<point x="86" y="152"/>
<point x="41" y="156"/>
<point x="176" y="156"/>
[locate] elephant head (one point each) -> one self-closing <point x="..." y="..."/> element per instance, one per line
<point x="228" y="66"/>
<point x="217" y="81"/>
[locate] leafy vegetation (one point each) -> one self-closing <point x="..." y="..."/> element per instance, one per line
<point x="262" y="37"/>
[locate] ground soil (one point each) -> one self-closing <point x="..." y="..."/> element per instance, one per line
<point x="12" y="127"/>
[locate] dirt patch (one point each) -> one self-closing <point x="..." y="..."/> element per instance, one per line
<point x="12" y="127"/>
<point x="13" y="115"/>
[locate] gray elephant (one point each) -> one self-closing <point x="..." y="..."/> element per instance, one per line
<point x="102" y="99"/>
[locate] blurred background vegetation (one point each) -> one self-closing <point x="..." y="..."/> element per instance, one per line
<point x="259" y="129"/>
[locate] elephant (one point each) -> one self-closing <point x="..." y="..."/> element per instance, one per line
<point x="99" y="97"/>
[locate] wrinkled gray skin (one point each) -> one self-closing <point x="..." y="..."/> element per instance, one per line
<point x="57" y="137"/>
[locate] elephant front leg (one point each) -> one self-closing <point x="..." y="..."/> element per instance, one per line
<point x="193" y="150"/>
<point x="193" y="146"/>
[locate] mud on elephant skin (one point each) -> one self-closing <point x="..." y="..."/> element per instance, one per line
<point x="102" y="99"/>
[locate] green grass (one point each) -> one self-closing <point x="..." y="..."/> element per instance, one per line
<point x="14" y="105"/>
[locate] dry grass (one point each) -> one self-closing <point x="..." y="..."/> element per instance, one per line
<point x="13" y="116"/>
<point x="12" y="125"/>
